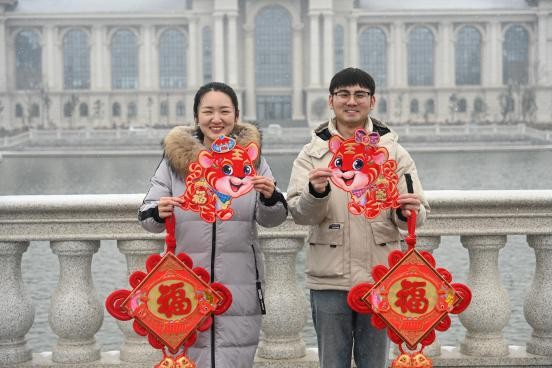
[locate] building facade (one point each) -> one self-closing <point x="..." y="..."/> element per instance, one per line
<point x="138" y="63"/>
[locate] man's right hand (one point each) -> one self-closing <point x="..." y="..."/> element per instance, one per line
<point x="166" y="206"/>
<point x="319" y="179"/>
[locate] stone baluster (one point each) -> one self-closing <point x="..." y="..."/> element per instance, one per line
<point x="285" y="302"/>
<point x="16" y="308"/>
<point x="537" y="303"/>
<point x="136" y="349"/>
<point x="76" y="312"/>
<point x="489" y="310"/>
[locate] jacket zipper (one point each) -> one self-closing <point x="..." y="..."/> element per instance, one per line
<point x="260" y="295"/>
<point x="213" y="248"/>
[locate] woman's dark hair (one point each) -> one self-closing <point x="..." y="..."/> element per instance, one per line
<point x="215" y="86"/>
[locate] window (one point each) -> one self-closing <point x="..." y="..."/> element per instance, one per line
<point x="35" y="111"/>
<point x="468" y="56"/>
<point x="116" y="109"/>
<point x="132" y="110"/>
<point x="420" y="57"/>
<point x="68" y="110"/>
<point x="414" y="108"/>
<point x="373" y="54"/>
<point x="382" y="106"/>
<point x="28" y="60"/>
<point x="273" y="108"/>
<point x="164" y="108"/>
<point x="207" y="55"/>
<point x="339" y="48"/>
<point x="18" y="111"/>
<point x="172" y="59"/>
<point x="83" y="110"/>
<point x="124" y="60"/>
<point x="273" y="59"/>
<point x="180" y="109"/>
<point x="462" y="105"/>
<point x="478" y="105"/>
<point x="516" y="56"/>
<point x="430" y="106"/>
<point x="76" y="60"/>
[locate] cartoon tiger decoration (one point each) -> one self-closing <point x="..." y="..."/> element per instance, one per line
<point x="219" y="176"/>
<point x="362" y="168"/>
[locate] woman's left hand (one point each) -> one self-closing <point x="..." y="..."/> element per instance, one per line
<point x="264" y="185"/>
<point x="409" y="202"/>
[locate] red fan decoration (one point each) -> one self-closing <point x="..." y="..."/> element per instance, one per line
<point x="170" y="302"/>
<point x="362" y="168"/>
<point x="412" y="299"/>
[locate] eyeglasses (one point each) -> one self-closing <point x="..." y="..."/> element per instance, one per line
<point x="359" y="96"/>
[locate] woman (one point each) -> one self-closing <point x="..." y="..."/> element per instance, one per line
<point x="228" y="249"/>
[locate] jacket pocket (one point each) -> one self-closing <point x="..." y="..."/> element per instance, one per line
<point x="326" y="253"/>
<point x="385" y="233"/>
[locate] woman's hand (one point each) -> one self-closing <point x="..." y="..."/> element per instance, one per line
<point x="264" y="185"/>
<point x="166" y="206"/>
<point x="409" y="202"/>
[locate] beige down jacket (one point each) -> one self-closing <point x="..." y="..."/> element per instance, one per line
<point x="342" y="247"/>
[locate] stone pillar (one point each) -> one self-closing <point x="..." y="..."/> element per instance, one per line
<point x="232" y="62"/>
<point x="489" y="310"/>
<point x="52" y="59"/>
<point x="218" y="47"/>
<point x="537" y="307"/>
<point x="314" y="64"/>
<point x="193" y="72"/>
<point x="494" y="65"/>
<point x="148" y="53"/>
<point x="250" y="103"/>
<point x="297" y="104"/>
<point x="285" y="302"/>
<point x="136" y="348"/>
<point x="444" y="76"/>
<point x="543" y="70"/>
<point x="400" y="59"/>
<point x="3" y="57"/>
<point x="353" y="42"/>
<point x="14" y="322"/>
<point x="76" y="312"/>
<point x="328" y="61"/>
<point x="98" y="68"/>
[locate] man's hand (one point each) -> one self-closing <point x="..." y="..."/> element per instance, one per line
<point x="264" y="185"/>
<point x="409" y="202"/>
<point x="166" y="206"/>
<point x="319" y="178"/>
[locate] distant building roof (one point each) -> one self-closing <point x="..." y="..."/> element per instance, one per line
<point x="443" y="4"/>
<point x="99" y="6"/>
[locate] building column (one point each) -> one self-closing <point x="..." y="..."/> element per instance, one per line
<point x="314" y="50"/>
<point x="218" y="47"/>
<point x="494" y="66"/>
<point x="399" y="58"/>
<point x="250" y="107"/>
<point x="52" y="60"/>
<point x="96" y="59"/>
<point x="542" y="77"/>
<point x="147" y="55"/>
<point x="193" y="73"/>
<point x="232" y="49"/>
<point x="297" y="104"/>
<point x="3" y="56"/>
<point x="353" y="42"/>
<point x="328" y="63"/>
<point x="445" y="58"/>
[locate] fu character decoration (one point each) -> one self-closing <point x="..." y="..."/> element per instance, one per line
<point x="219" y="176"/>
<point x="411" y="298"/>
<point x="171" y="303"/>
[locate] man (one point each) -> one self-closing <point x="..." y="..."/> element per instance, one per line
<point x="343" y="247"/>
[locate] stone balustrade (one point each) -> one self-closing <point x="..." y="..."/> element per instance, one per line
<point x="75" y="225"/>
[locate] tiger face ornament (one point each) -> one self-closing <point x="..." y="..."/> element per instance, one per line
<point x="362" y="168"/>
<point x="217" y="177"/>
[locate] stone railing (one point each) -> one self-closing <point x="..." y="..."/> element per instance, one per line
<point x="75" y="225"/>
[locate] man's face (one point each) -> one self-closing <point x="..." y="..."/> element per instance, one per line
<point x="352" y="104"/>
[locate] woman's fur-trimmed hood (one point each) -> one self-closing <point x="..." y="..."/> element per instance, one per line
<point x="181" y="146"/>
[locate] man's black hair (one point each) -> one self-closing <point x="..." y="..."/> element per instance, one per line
<point x="352" y="77"/>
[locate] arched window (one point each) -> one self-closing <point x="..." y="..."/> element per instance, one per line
<point x="373" y="54"/>
<point x="132" y="110"/>
<point x="116" y="110"/>
<point x="478" y="105"/>
<point x="18" y="111"/>
<point x="462" y="105"/>
<point x="76" y="60"/>
<point x="468" y="56"/>
<point x="68" y="110"/>
<point x="420" y="57"/>
<point x="35" y="111"/>
<point x="83" y="110"/>
<point x="382" y="106"/>
<point x="28" y="60"/>
<point x="172" y="59"/>
<point x="180" y="109"/>
<point x="124" y="60"/>
<point x="273" y="56"/>
<point x="164" y="108"/>
<point x="516" y="56"/>
<point x="207" y="39"/>
<point x="339" y="48"/>
<point x="430" y="106"/>
<point x="414" y="106"/>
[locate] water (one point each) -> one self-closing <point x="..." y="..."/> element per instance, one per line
<point x="119" y="174"/>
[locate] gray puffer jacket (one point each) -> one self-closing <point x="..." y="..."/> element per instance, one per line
<point x="228" y="250"/>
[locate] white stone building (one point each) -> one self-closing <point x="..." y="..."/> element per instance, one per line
<point x="103" y="63"/>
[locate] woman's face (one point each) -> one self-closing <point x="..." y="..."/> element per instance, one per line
<point x="216" y="116"/>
